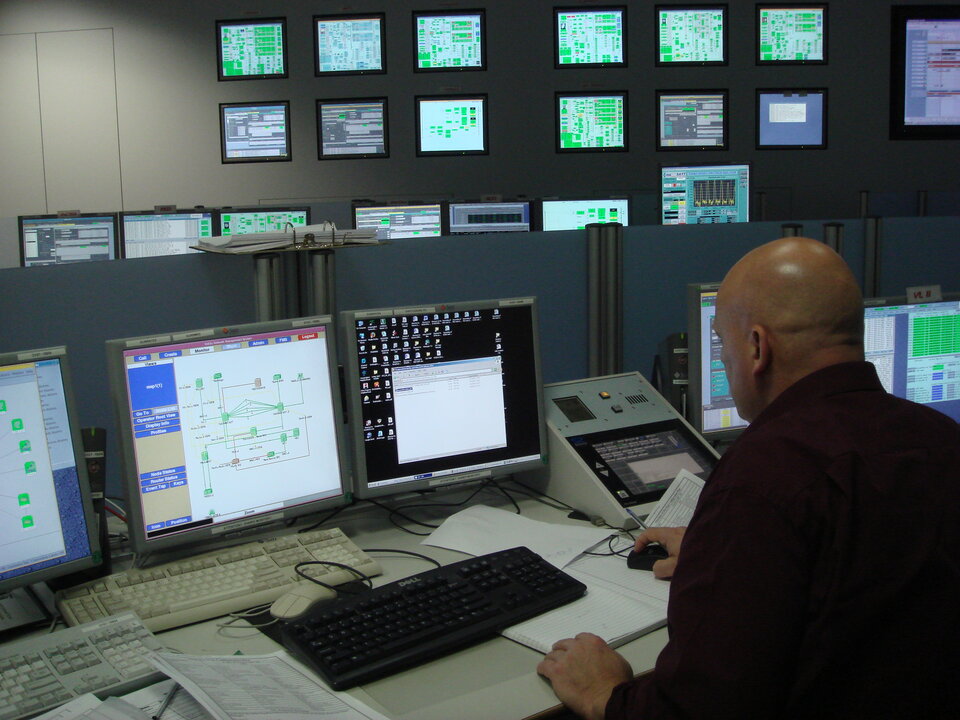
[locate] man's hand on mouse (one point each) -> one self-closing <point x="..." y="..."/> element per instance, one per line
<point x="671" y="539"/>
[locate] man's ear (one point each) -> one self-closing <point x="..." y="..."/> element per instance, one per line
<point x="760" y="349"/>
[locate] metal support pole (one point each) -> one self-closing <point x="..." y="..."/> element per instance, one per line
<point x="871" y="257"/>
<point x="791" y="230"/>
<point x="921" y="203"/>
<point x="864" y="203"/>
<point x="266" y="280"/>
<point x="760" y="214"/>
<point x="833" y="236"/>
<point x="611" y="238"/>
<point x="593" y="299"/>
<point x="323" y="297"/>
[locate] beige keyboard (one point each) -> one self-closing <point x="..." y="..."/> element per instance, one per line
<point x="215" y="583"/>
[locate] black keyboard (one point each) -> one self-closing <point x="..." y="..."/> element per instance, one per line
<point x="357" y="638"/>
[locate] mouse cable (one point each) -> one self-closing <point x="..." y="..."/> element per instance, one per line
<point x="360" y="576"/>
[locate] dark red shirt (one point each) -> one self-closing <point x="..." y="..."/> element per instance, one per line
<point x="820" y="574"/>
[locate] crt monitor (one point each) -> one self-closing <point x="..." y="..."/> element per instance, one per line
<point x="241" y="221"/>
<point x="471" y="218"/>
<point x="226" y="429"/>
<point x="49" y="528"/>
<point x="441" y="394"/>
<point x="916" y="349"/>
<point x="577" y="214"/>
<point x="53" y="240"/>
<point x="393" y="222"/>
<point x="152" y="234"/>
<point x="697" y="194"/>
<point x="710" y="406"/>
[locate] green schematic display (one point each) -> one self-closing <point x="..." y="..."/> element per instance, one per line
<point x="591" y="122"/>
<point x="792" y="34"/>
<point x="452" y="125"/>
<point x="590" y="37"/>
<point x="451" y="41"/>
<point x="242" y="222"/>
<point x="252" y="49"/>
<point x="691" y="35"/>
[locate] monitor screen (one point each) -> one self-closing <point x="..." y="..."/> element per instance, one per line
<point x="241" y="221"/>
<point x="694" y="194"/>
<point x="53" y="240"/>
<point x="591" y="122"/>
<point x="227" y="428"/>
<point x="49" y="526"/>
<point x="355" y="128"/>
<point x="691" y="34"/>
<point x="152" y="234"/>
<point x="791" y="34"/>
<point x="577" y="214"/>
<point x="925" y="83"/>
<point x="488" y="217"/>
<point x="255" y="132"/>
<point x="452" y="125"/>
<point x="590" y="37"/>
<point x="916" y="350"/>
<point x="441" y="394"/>
<point x="692" y="120"/>
<point x="252" y="49"/>
<point x="795" y="118"/>
<point x="710" y="407"/>
<point x="393" y="222"/>
<point x="349" y="44"/>
<point x="450" y="40"/>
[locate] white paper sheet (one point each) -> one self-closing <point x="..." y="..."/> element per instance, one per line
<point x="88" y="707"/>
<point x="182" y="707"/>
<point x="676" y="506"/>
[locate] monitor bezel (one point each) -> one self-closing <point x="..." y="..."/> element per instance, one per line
<point x="558" y="10"/>
<point x="345" y="17"/>
<point x="285" y="104"/>
<point x="561" y="94"/>
<point x="116" y="244"/>
<point x="706" y="7"/>
<point x="823" y="122"/>
<point x="483" y="97"/>
<point x="450" y="13"/>
<point x="729" y="163"/>
<point x="322" y="102"/>
<point x="282" y="21"/>
<point x="724" y="94"/>
<point x="214" y="224"/>
<point x="259" y="209"/>
<point x="542" y="202"/>
<point x="447" y="209"/>
<point x="792" y="6"/>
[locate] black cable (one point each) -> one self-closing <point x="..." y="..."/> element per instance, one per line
<point x="404" y="552"/>
<point x="360" y="576"/>
<point x="322" y="521"/>
<point x="508" y="496"/>
<point x="537" y="495"/>
<point x="396" y="511"/>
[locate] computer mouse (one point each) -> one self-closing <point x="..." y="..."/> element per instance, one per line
<point x="294" y="603"/>
<point x="644" y="559"/>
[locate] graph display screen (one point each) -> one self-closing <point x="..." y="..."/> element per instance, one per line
<point x="591" y="122"/>
<point x="352" y="128"/>
<point x="452" y="125"/>
<point x="474" y="218"/>
<point x="252" y="49"/>
<point x="253" y="220"/>
<point x="150" y="234"/>
<point x="791" y="34"/>
<point x="349" y="44"/>
<point x="577" y="214"/>
<point x="916" y="350"/>
<point x="53" y="240"/>
<point x="692" y="120"/>
<point x="393" y="222"/>
<point x="450" y="40"/>
<point x="792" y="118"/>
<point x="692" y="34"/>
<point x="590" y="37"/>
<point x="254" y="132"/>
<point x="697" y="194"/>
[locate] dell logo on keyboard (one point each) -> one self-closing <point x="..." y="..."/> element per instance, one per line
<point x="411" y="581"/>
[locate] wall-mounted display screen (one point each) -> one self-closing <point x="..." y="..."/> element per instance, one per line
<point x="697" y="194"/>
<point x="577" y="214"/>
<point x="241" y="221"/>
<point x="451" y="125"/>
<point x="791" y="34"/>
<point x="593" y="122"/>
<point x="691" y="34"/>
<point x="792" y="118"/>
<point x="349" y="44"/>
<point x="352" y="128"/>
<point x="54" y="240"/>
<point x="468" y="218"/>
<point x="252" y="49"/>
<point x="154" y="234"/>
<point x="452" y="40"/>
<point x="393" y="222"/>
<point x="255" y="132"/>
<point x="590" y="37"/>
<point x="691" y="120"/>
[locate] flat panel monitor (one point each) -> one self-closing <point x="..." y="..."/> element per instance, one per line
<point x="227" y="429"/>
<point x="590" y="36"/>
<point x="591" y="121"/>
<point x="349" y="44"/>
<point x="449" y="40"/>
<point x="452" y="125"/>
<point x="255" y="132"/>
<point x="710" y="406"/>
<point x="393" y="222"/>
<point x="49" y="527"/>
<point x="791" y="34"/>
<point x="924" y="77"/>
<point x="916" y="350"/>
<point x="468" y="218"/>
<point x="697" y="194"/>
<point x="792" y="119"/>
<point x="352" y="128"/>
<point x="442" y="394"/>
<point x="154" y="234"/>
<point x="692" y="119"/>
<point x="252" y="49"/>
<point x="691" y="35"/>
<point x="577" y="214"/>
<point x="54" y="240"/>
<point x="241" y="221"/>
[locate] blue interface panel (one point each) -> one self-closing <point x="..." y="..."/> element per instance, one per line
<point x="791" y="118"/>
<point x="718" y="411"/>
<point x="698" y="194"/>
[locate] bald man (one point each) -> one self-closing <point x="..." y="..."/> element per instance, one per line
<point x="820" y="574"/>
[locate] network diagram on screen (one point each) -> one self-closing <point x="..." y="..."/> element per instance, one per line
<point x="346" y="45"/>
<point x="687" y="35"/>
<point x="251" y="49"/>
<point x="932" y="82"/>
<point x="242" y="222"/>
<point x="452" y="125"/>
<point x="590" y="37"/>
<point x="577" y="214"/>
<point x="791" y="34"/>
<point x="591" y="121"/>
<point x="449" y="41"/>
